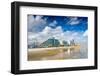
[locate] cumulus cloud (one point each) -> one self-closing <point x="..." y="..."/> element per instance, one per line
<point x="36" y="23"/>
<point x="47" y="33"/>
<point x="73" y="21"/>
<point x="53" y="24"/>
<point x="39" y="31"/>
<point x="85" y="33"/>
<point x="58" y="33"/>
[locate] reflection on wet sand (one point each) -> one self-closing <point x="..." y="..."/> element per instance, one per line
<point x="55" y="53"/>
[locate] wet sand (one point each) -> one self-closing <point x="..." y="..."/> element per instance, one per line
<point x="53" y="54"/>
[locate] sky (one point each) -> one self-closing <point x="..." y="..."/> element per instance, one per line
<point x="43" y="27"/>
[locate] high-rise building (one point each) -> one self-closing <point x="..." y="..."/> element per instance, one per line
<point x="72" y="42"/>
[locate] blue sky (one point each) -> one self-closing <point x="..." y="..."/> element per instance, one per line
<point x="42" y="27"/>
<point x="79" y="23"/>
<point x="68" y="23"/>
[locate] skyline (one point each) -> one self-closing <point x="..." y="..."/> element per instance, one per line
<point x="61" y="27"/>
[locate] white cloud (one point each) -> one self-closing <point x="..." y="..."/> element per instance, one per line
<point x="58" y="33"/>
<point x="73" y="21"/>
<point x="53" y="24"/>
<point x="38" y="18"/>
<point x="36" y="24"/>
<point x="45" y="32"/>
<point x="85" y="33"/>
<point x="30" y="18"/>
<point x="41" y="32"/>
